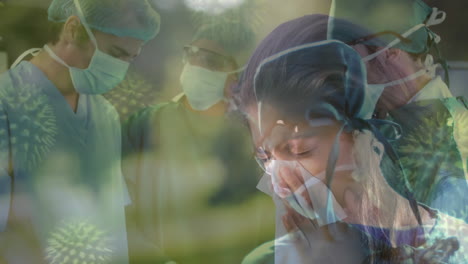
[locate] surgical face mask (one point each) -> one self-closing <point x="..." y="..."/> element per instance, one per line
<point x="436" y="18"/>
<point x="374" y="91"/>
<point x="203" y="88"/>
<point x="104" y="71"/>
<point x="324" y="208"/>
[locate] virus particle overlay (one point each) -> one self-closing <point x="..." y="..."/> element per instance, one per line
<point x="133" y="94"/>
<point x="78" y="242"/>
<point x="32" y="124"/>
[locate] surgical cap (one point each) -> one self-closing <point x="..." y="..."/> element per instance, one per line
<point x="381" y="17"/>
<point x="233" y="37"/>
<point x="233" y="30"/>
<point x="122" y="18"/>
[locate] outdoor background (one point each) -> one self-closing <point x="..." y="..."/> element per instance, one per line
<point x="154" y="77"/>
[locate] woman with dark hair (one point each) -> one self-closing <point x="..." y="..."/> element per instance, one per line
<point x="310" y="115"/>
<point x="433" y="147"/>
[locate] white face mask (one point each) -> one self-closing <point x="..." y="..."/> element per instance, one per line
<point x="374" y="91"/>
<point x="436" y="18"/>
<point x="203" y="88"/>
<point x="326" y="210"/>
<point x="104" y="71"/>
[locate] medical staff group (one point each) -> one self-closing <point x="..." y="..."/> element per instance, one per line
<point x="345" y="121"/>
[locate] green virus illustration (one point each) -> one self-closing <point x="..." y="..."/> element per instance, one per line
<point x="78" y="243"/>
<point x="132" y="95"/>
<point x="461" y="134"/>
<point x="32" y="126"/>
<point x="428" y="150"/>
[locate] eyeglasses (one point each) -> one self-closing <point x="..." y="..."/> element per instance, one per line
<point x="208" y="59"/>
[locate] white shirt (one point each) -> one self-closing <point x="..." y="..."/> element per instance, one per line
<point x="435" y="89"/>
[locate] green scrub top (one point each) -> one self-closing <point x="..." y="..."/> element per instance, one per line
<point x="429" y="151"/>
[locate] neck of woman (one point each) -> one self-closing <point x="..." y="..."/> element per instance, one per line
<point x="372" y="201"/>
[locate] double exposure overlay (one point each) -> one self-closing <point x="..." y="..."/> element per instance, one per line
<point x="233" y="131"/>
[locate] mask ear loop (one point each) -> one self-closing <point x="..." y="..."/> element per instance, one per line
<point x="54" y="56"/>
<point x="84" y="23"/>
<point x="33" y="52"/>
<point x="436" y="18"/>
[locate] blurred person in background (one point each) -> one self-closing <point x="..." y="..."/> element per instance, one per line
<point x="62" y="193"/>
<point x="187" y="161"/>
<point x="401" y="71"/>
<point x="133" y="94"/>
<point x="453" y="44"/>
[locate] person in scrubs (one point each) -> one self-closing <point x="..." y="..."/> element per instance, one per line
<point x="62" y="194"/>
<point x="402" y="58"/>
<point x="326" y="159"/>
<point x="188" y="159"/>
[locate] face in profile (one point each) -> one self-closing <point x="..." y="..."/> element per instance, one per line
<point x="211" y="56"/>
<point x="83" y="48"/>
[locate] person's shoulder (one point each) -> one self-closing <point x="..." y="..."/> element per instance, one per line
<point x="100" y="105"/>
<point x="6" y="82"/>
<point x="5" y="76"/>
<point x="19" y="85"/>
<point x="23" y="80"/>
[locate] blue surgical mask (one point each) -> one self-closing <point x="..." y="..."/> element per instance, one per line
<point x="104" y="71"/>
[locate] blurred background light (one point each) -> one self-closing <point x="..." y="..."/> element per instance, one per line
<point x="165" y="4"/>
<point x="212" y="6"/>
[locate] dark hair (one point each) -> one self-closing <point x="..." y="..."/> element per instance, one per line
<point x="296" y="82"/>
<point x="295" y="86"/>
<point x="300" y="31"/>
<point x="296" y="32"/>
